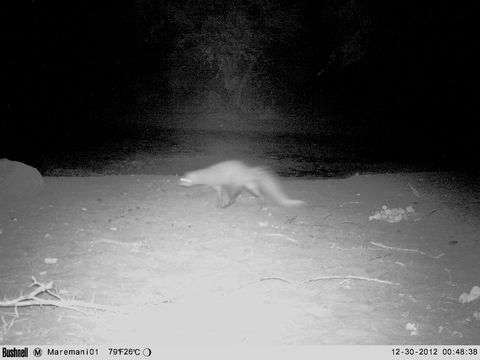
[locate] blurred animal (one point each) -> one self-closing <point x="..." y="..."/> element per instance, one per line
<point x="229" y="178"/>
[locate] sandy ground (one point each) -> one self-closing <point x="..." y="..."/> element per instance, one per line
<point x="175" y="270"/>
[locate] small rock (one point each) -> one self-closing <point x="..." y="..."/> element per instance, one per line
<point x="51" y="261"/>
<point x="18" y="180"/>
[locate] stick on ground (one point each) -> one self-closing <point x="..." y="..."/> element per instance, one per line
<point x="407" y="250"/>
<point x="32" y="299"/>
<point x="284" y="236"/>
<point x="352" y="277"/>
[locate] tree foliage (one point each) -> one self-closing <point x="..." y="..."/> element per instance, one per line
<point x="227" y="43"/>
<point x="248" y="54"/>
<point x="351" y="24"/>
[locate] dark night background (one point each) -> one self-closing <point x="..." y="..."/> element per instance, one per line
<point x="376" y="72"/>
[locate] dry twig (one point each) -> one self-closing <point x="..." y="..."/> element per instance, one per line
<point x="424" y="216"/>
<point x="351" y="277"/>
<point x="407" y="250"/>
<point x="32" y="299"/>
<point x="133" y="246"/>
<point x="284" y="236"/>
<point x="414" y="191"/>
<point x="329" y="277"/>
<point x="349" y="202"/>
<point x="263" y="279"/>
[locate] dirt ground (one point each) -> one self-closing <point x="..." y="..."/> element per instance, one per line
<point x="175" y="270"/>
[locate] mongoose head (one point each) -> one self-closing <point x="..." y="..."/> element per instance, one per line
<point x="189" y="179"/>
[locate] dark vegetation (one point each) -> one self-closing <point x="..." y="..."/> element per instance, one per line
<point x="386" y="77"/>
